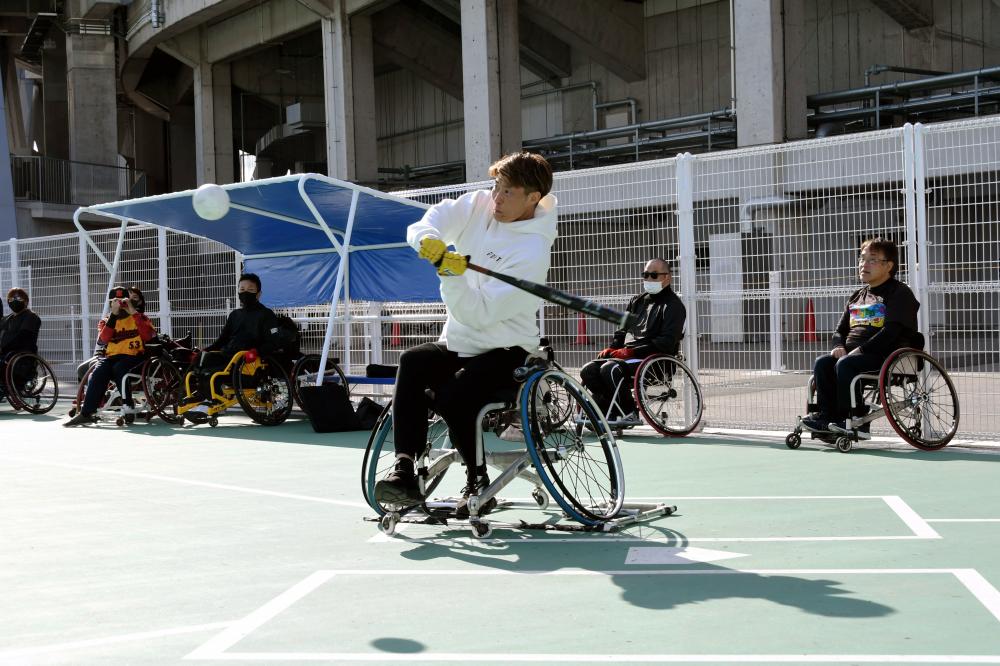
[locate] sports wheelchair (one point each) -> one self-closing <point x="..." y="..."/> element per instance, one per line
<point x="667" y="395"/>
<point x="28" y="383"/>
<point x="154" y="385"/>
<point x="912" y="391"/>
<point x="581" y="472"/>
<point x="259" y="383"/>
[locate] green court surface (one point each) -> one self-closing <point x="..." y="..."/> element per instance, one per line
<point x="245" y="544"/>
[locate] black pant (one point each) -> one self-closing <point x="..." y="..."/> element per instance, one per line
<point x="461" y="386"/>
<point x="601" y="375"/>
<point x="210" y="363"/>
<point x="108" y="368"/>
<point x="833" y="382"/>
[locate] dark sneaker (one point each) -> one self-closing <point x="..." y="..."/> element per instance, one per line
<point x="816" y="422"/>
<point x="79" y="419"/>
<point x="399" y="486"/>
<point x="475" y="488"/>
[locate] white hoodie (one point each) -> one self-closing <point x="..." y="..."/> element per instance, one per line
<point x="483" y="312"/>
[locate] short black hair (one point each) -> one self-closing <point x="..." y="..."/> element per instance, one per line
<point x="888" y="250"/>
<point x="20" y="293"/>
<point x="250" y="277"/>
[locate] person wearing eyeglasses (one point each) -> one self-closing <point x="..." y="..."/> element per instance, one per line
<point x="880" y="318"/>
<point x="659" y="329"/>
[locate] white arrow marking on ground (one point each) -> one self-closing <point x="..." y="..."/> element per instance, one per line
<point x="677" y="555"/>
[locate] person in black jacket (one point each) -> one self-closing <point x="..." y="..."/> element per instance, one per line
<point x="19" y="329"/>
<point x="659" y="330"/>
<point x="252" y="326"/>
<point x="880" y="318"/>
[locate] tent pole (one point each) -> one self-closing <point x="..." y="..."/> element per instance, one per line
<point x="338" y="285"/>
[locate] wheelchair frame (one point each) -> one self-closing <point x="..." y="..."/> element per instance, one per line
<point x="537" y="463"/>
<point x="692" y="412"/>
<point x="30" y="403"/>
<point x="903" y="368"/>
<point x="243" y="364"/>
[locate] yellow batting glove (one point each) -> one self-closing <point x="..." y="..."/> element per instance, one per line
<point x="432" y="249"/>
<point x="452" y="263"/>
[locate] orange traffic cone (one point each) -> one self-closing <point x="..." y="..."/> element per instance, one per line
<point x="809" y="330"/>
<point x="395" y="335"/>
<point x="581" y="330"/>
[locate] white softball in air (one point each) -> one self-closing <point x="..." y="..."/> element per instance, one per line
<point x="210" y="201"/>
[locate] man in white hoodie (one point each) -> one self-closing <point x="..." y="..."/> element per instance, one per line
<point x="491" y="325"/>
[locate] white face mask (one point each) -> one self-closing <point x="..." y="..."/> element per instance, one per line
<point x="652" y="287"/>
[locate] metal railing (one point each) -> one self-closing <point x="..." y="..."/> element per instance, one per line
<point x="58" y="181"/>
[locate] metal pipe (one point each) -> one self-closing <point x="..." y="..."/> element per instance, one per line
<point x="576" y="86"/>
<point x="655" y="125"/>
<point x="630" y="101"/>
<point x="922" y="104"/>
<point x="948" y="80"/>
<point x="878" y="69"/>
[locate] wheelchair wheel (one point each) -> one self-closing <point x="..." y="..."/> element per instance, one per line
<point x="668" y="395"/>
<point x="304" y="374"/>
<point x="163" y="388"/>
<point x="582" y="470"/>
<point x="380" y="456"/>
<point x="919" y="399"/>
<point x="263" y="390"/>
<point x="31" y="384"/>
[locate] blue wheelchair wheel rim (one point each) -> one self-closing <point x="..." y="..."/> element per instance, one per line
<point x="372" y="455"/>
<point x="541" y="466"/>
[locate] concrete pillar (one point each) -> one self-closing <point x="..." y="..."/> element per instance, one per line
<point x="760" y="72"/>
<point x="92" y="103"/>
<point x="363" y="78"/>
<point x="213" y="123"/>
<point x="795" y="71"/>
<point x="491" y="82"/>
<point x="55" y="131"/>
<point x="8" y="220"/>
<point x="338" y="90"/>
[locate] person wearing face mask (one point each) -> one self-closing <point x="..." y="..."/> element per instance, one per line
<point x="248" y="327"/>
<point x="124" y="333"/>
<point x="658" y="330"/>
<point x="19" y="329"/>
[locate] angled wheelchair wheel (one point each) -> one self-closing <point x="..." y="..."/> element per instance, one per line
<point x="919" y="399"/>
<point x="304" y="372"/>
<point x="668" y="395"/>
<point x="263" y="390"/>
<point x="163" y="388"/>
<point x="31" y="383"/>
<point x="380" y="456"/>
<point x="580" y="467"/>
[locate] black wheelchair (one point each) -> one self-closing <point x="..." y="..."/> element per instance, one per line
<point x="580" y="468"/>
<point x="911" y="390"/>
<point x="28" y="383"/>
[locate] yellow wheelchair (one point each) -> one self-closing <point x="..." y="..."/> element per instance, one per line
<point x="259" y="383"/>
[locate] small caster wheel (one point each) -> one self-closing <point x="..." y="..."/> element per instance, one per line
<point x="388" y="523"/>
<point x="149" y="419"/>
<point x="213" y="421"/>
<point x="844" y="444"/>
<point x="482" y="530"/>
<point x="793" y="441"/>
<point x="129" y="419"/>
<point x="474" y="505"/>
<point x="119" y="422"/>
<point x="618" y="432"/>
<point x="72" y="412"/>
<point x="541" y="498"/>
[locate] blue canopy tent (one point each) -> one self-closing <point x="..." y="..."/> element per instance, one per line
<point x="310" y="238"/>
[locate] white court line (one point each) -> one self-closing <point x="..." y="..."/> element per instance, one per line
<point x="239" y="630"/>
<point x="910" y="517"/>
<point x="110" y="640"/>
<point x="919" y="527"/>
<point x="190" y="482"/>
<point x="215" y="648"/>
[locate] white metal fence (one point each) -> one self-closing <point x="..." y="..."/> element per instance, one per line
<point x="764" y="240"/>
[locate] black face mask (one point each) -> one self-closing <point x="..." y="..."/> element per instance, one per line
<point x="247" y="298"/>
<point x="138" y="305"/>
<point x="16" y="306"/>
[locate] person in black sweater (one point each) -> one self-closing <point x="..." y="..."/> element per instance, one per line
<point x="880" y="318"/>
<point x="19" y="329"/>
<point x="252" y="326"/>
<point x="659" y="330"/>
